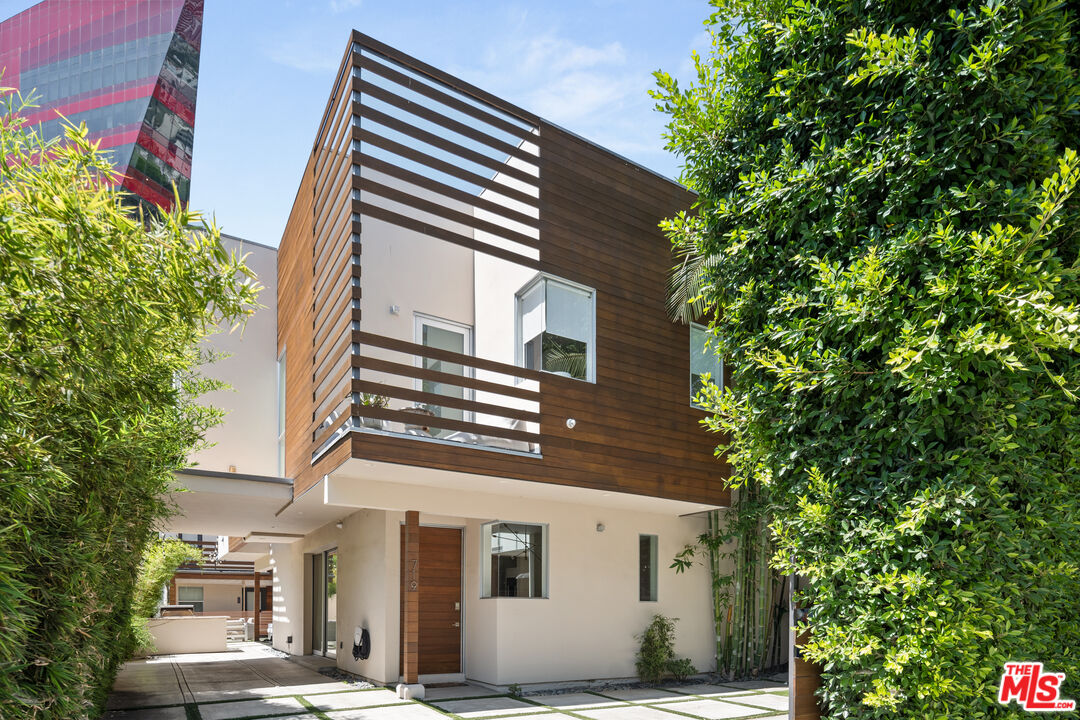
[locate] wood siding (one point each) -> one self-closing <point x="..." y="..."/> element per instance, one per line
<point x="568" y="208"/>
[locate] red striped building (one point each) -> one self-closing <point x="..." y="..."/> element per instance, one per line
<point x="129" y="69"/>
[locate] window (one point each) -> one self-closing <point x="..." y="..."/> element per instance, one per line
<point x="647" y="556"/>
<point x="703" y="359"/>
<point x="281" y="415"/>
<point x="555" y="328"/>
<point x="189" y="595"/>
<point x="515" y="562"/>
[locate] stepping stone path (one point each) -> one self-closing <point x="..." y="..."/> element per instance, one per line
<point x="251" y="682"/>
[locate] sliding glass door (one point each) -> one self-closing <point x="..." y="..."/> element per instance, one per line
<point x="324" y="577"/>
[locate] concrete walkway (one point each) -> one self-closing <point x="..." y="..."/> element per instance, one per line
<point x="251" y="682"/>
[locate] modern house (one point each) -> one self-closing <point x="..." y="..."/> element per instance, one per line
<point x="462" y="429"/>
<point x="222" y="587"/>
<point x="129" y="69"/>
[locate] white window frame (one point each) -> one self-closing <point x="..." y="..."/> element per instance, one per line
<point x="690" y="379"/>
<point x="202" y="597"/>
<point x="519" y="341"/>
<point x="485" y="560"/>
<point x="280" y="411"/>
<point x="422" y="319"/>
<point x="654" y="569"/>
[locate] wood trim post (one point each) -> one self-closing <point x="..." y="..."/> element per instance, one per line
<point x="804" y="678"/>
<point x="411" y="649"/>
<point x="258" y="603"/>
<point x="172" y="591"/>
<point x="270" y="577"/>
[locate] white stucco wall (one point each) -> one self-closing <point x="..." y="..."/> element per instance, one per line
<point x="179" y="635"/>
<point x="247" y="438"/>
<point x="367" y="591"/>
<point x="584" y="630"/>
<point x="292" y="581"/>
<point x="218" y="595"/>
<point x="496" y="282"/>
<point x="412" y="272"/>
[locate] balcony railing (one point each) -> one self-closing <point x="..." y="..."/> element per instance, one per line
<point x="487" y="404"/>
<point x="211" y="563"/>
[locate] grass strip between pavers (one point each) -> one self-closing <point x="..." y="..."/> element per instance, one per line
<point x="755" y="707"/>
<point x="530" y="713"/>
<point x="551" y="710"/>
<point x="311" y="708"/>
<point x="449" y="713"/>
<point x="729" y="701"/>
<point x="701" y="717"/>
<point x="191" y="711"/>
<point x="260" y="716"/>
<point x="278" y="697"/>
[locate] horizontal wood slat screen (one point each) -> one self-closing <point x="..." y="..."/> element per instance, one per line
<point x="366" y="338"/>
<point x="507" y="417"/>
<point x="449" y="134"/>
<point x="412" y="171"/>
<point x="418" y="396"/>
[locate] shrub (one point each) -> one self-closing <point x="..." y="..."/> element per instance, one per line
<point x="142" y="640"/>
<point x="160" y="560"/>
<point x="657" y="650"/>
<point x="101" y="315"/>
<point x="681" y="668"/>
<point x="888" y="237"/>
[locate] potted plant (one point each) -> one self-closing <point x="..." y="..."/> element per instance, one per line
<point x="375" y="401"/>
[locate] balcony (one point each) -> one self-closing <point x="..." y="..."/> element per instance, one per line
<point x="213" y="561"/>
<point x="396" y="391"/>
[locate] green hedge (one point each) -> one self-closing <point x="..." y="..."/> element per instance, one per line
<point x="100" y="320"/>
<point x="888" y="236"/>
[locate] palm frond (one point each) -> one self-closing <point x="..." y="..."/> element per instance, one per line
<point x="686" y="284"/>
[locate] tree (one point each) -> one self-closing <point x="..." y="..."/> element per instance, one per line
<point x="887" y="200"/>
<point x="101" y="315"/>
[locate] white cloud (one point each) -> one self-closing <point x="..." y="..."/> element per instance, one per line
<point x="556" y="77"/>
<point x="578" y="96"/>
<point x="339" y="6"/>
<point x="299" y="56"/>
<point x="598" y="91"/>
<point x="552" y="54"/>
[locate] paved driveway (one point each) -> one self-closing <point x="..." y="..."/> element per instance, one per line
<point x="251" y="682"/>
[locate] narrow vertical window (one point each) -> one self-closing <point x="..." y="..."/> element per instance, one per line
<point x="704" y="361"/>
<point x="281" y="414"/>
<point x="647" y="557"/>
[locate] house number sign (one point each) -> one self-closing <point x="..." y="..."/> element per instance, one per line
<point x="413" y="584"/>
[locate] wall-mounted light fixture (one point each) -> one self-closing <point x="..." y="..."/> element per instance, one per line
<point x="570" y="423"/>
<point x="340" y="524"/>
<point x="600" y="527"/>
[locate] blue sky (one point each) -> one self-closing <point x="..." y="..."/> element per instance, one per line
<point x="267" y="67"/>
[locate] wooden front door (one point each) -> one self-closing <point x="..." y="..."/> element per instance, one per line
<point x="439" y="586"/>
